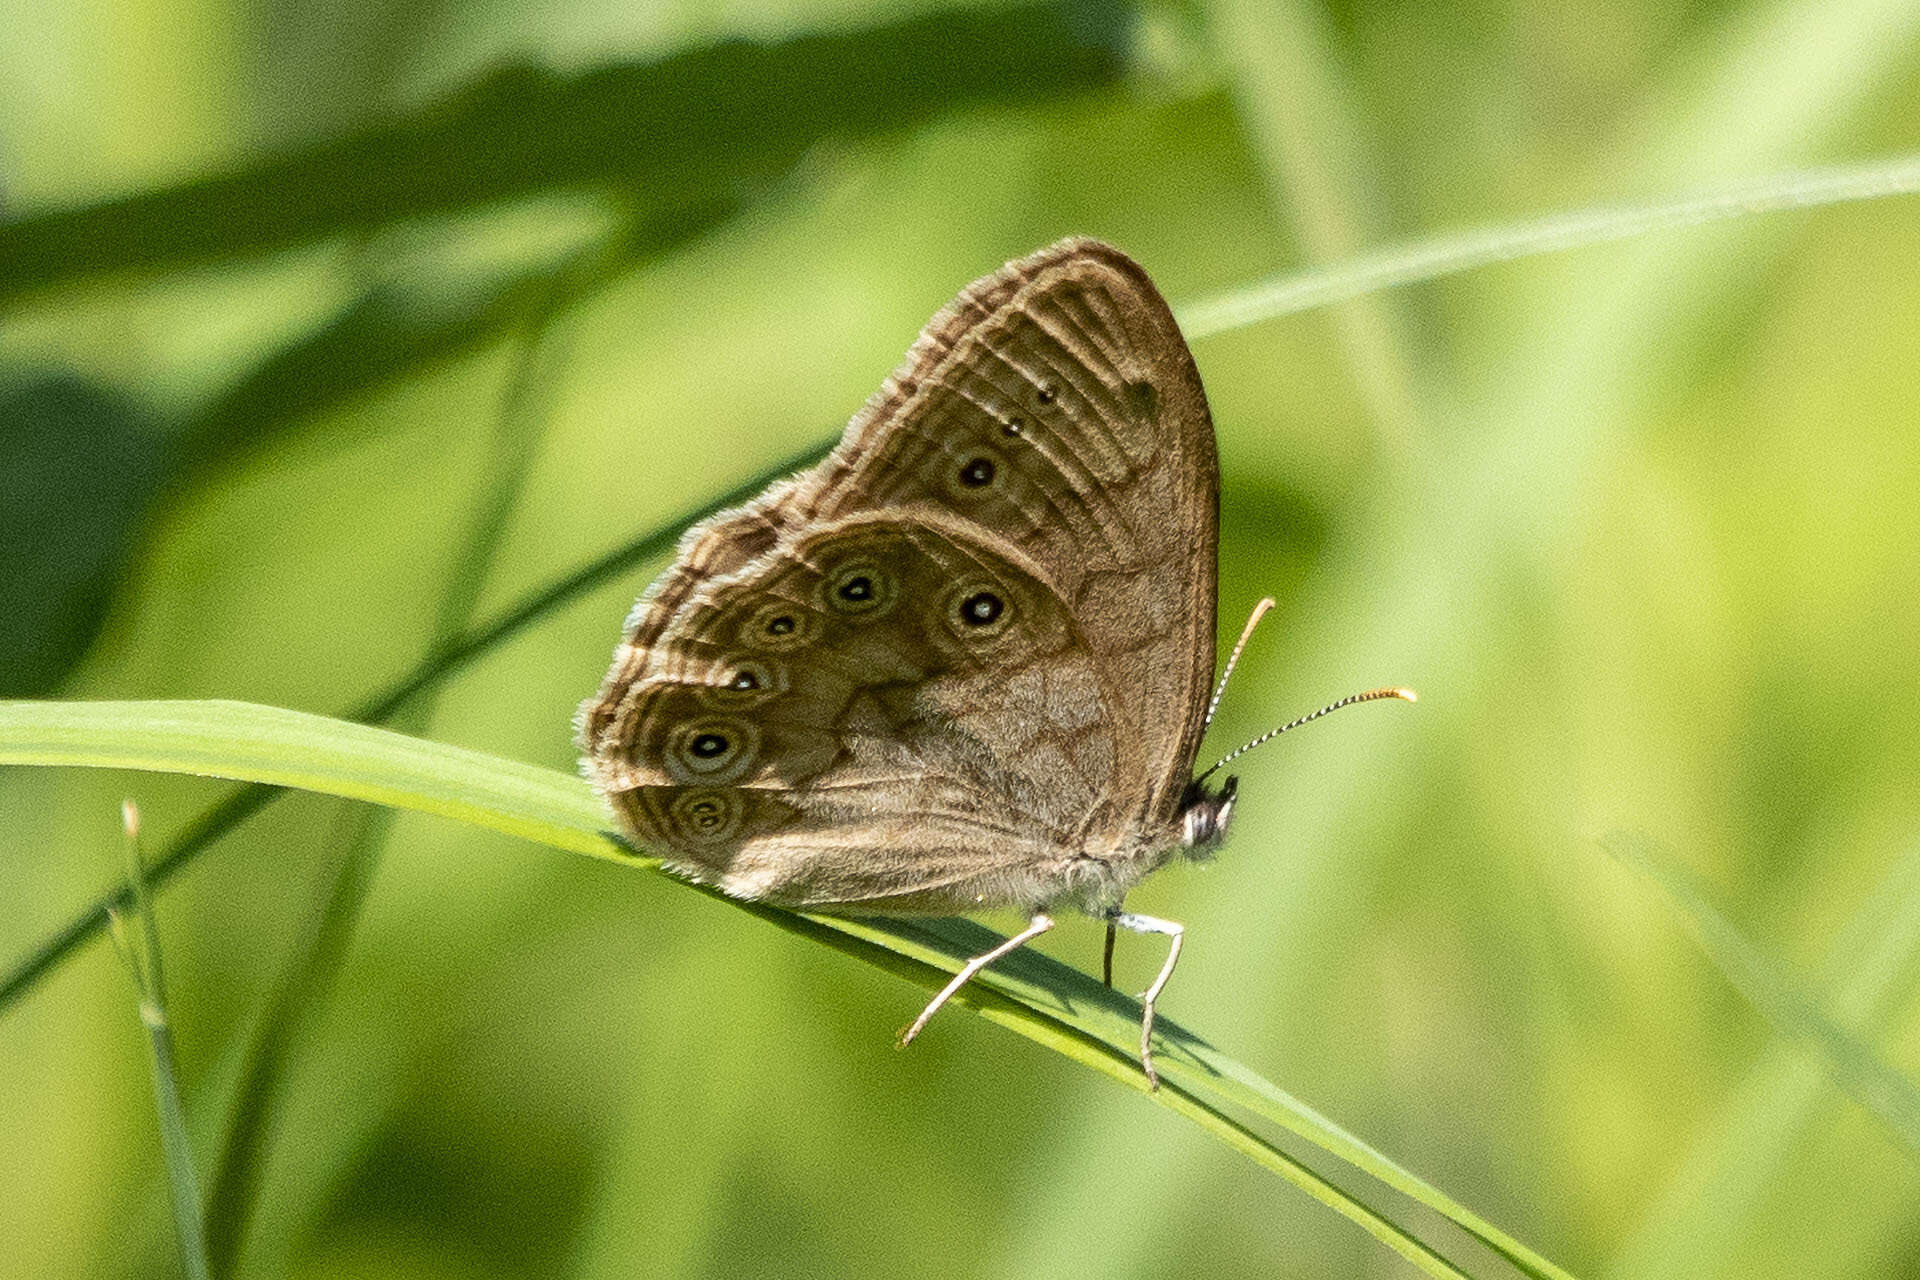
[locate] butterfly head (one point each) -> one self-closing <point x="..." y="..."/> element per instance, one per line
<point x="1204" y="815"/>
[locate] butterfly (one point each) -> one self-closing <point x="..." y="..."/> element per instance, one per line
<point x="963" y="663"/>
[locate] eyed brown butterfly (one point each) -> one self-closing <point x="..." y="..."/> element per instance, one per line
<point x="962" y="663"/>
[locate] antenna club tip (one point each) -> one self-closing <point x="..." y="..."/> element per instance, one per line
<point x="130" y="818"/>
<point x="1406" y="695"/>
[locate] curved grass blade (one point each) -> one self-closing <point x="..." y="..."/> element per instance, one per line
<point x="1033" y="994"/>
<point x="439" y="663"/>
<point x="251" y="743"/>
<point x="1857" y="1068"/>
<point x="1432" y="257"/>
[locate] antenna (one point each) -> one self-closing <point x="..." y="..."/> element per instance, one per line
<point x="1246" y="633"/>
<point x="1371" y="695"/>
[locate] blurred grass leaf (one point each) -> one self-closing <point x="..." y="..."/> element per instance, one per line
<point x="1855" y="1065"/>
<point x="360" y="831"/>
<point x="410" y="318"/>
<point x="1726" y="1174"/>
<point x="1325" y="176"/>
<point x="1040" y="998"/>
<point x="662" y="136"/>
<point x="79" y="466"/>
<point x="78" y="470"/>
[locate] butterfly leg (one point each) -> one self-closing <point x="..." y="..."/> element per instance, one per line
<point x="1040" y="923"/>
<point x="1106" y="957"/>
<point x="1149" y="924"/>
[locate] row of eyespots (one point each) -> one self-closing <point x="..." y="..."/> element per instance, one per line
<point x="980" y="468"/>
<point x="859" y="590"/>
<point x="720" y="749"/>
<point x="855" y="588"/>
<point x="1011" y="427"/>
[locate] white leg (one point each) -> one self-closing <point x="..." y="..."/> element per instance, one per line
<point x="1148" y="924"/>
<point x="1040" y="923"/>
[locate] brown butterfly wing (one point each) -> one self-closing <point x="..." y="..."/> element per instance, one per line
<point x="1065" y="416"/>
<point x="730" y="540"/>
<point x="1049" y="430"/>
<point x="881" y="713"/>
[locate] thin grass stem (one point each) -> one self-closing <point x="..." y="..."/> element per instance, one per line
<point x="139" y="948"/>
<point x="1432" y="257"/>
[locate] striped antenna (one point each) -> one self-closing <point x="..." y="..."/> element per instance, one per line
<point x="1371" y="695"/>
<point x="1246" y="633"/>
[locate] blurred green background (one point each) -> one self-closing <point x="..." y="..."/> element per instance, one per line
<point x="290" y="294"/>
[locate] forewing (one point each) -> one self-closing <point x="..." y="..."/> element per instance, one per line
<point x="1055" y="406"/>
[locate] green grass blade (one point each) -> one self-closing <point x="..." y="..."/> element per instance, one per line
<point x="409" y="316"/>
<point x="141" y="951"/>
<point x="1432" y="257"/>
<point x="230" y="812"/>
<point x="1857" y="1068"/>
<point x="1050" y="1003"/>
<point x="250" y="743"/>
<point x="71" y="517"/>
<point x="233" y="1190"/>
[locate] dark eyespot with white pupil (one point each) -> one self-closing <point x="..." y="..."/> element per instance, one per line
<point x="744" y="680"/>
<point x="781" y="626"/>
<point x="859" y="588"/>
<point x="1011" y="427"/>
<point x="708" y="745"/>
<point x="981" y="608"/>
<point x="1046" y="394"/>
<point x="976" y="473"/>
